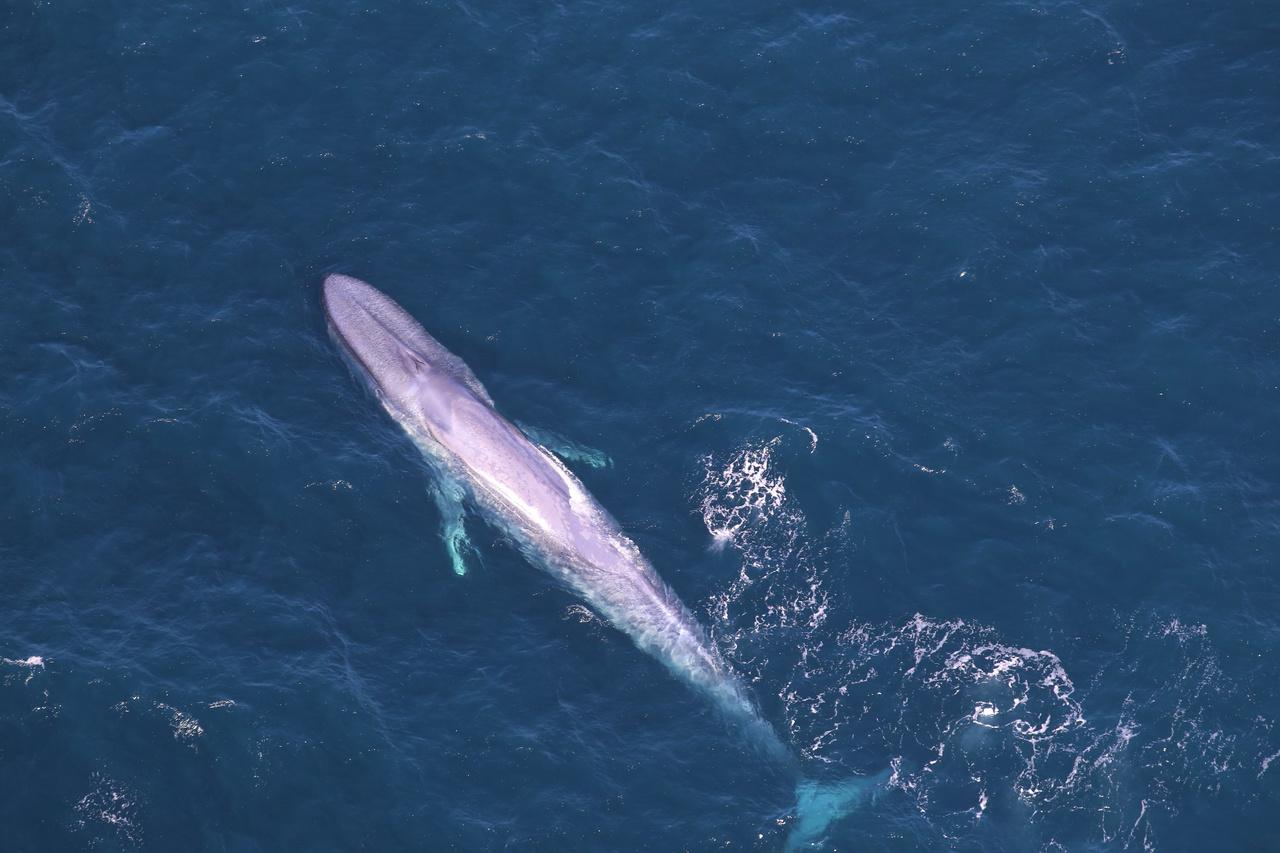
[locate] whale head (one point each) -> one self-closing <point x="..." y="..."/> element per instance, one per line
<point x="407" y="369"/>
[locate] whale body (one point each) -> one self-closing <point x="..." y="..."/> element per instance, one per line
<point x="526" y="490"/>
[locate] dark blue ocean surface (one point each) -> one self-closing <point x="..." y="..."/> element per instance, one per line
<point x="935" y="347"/>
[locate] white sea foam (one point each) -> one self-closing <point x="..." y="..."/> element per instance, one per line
<point x="186" y="728"/>
<point x="32" y="664"/>
<point x="112" y="806"/>
<point x="743" y="490"/>
<point x="955" y="709"/>
<point x="580" y="613"/>
<point x="813" y="436"/>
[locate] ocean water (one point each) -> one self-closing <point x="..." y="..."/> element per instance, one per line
<point x="934" y="348"/>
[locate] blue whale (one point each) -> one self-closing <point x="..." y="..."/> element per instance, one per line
<point x="525" y="490"/>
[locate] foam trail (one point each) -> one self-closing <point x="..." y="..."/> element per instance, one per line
<point x="745" y="504"/>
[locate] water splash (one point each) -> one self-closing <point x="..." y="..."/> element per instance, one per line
<point x="31" y="664"/>
<point x="967" y="721"/>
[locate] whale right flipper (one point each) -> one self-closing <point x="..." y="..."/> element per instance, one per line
<point x="453" y="528"/>
<point x="567" y="449"/>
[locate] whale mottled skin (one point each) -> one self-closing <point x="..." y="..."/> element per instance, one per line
<point x="526" y="490"/>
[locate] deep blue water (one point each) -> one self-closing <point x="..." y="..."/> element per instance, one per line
<point x="936" y="348"/>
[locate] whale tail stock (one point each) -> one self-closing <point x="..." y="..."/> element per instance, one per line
<point x="819" y="804"/>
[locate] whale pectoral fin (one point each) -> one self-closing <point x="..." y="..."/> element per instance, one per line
<point x="456" y="543"/>
<point x="566" y="449"/>
<point x="453" y="527"/>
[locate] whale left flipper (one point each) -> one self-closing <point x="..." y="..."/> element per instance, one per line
<point x="453" y="528"/>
